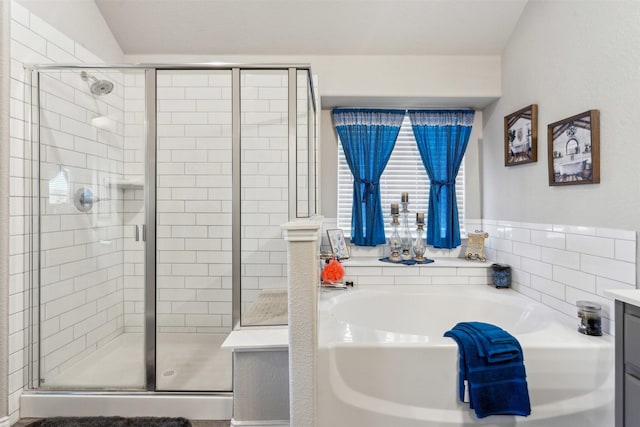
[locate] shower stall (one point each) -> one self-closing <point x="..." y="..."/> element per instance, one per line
<point x="158" y="195"/>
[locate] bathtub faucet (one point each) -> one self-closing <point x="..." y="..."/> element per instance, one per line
<point x="337" y="287"/>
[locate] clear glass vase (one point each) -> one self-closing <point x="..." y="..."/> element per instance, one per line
<point x="419" y="246"/>
<point x="405" y="233"/>
<point x="395" y="242"/>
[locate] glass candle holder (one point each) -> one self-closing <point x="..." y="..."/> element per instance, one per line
<point x="395" y="242"/>
<point x="405" y="231"/>
<point x="419" y="246"/>
<point x="590" y="318"/>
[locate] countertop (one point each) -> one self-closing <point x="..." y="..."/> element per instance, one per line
<point x="630" y="296"/>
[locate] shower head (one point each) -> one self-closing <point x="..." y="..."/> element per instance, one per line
<point x="97" y="87"/>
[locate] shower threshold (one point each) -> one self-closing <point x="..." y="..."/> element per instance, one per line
<point x="40" y="404"/>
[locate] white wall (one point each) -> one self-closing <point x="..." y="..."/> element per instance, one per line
<point x="328" y="147"/>
<point x="423" y="79"/>
<point x="569" y="57"/>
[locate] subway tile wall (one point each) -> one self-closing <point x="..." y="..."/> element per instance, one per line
<point x="556" y="265"/>
<point x="80" y="274"/>
<point x="194" y="202"/>
<point x="304" y="123"/>
<point x="93" y="271"/>
<point x="560" y="264"/>
<point x="132" y="188"/>
<point x="81" y="293"/>
<point x="475" y="273"/>
<point x="264" y="182"/>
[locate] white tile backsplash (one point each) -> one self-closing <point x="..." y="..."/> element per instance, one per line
<point x="539" y="268"/>
<point x="597" y="246"/>
<point x="527" y="250"/>
<point x="575" y="262"/>
<point x="616" y="234"/>
<point x="625" y="250"/>
<point x="548" y="287"/>
<point x="602" y="283"/>
<point x="519" y="234"/>
<point x="501" y="244"/>
<point x="560" y="257"/>
<point x="548" y="239"/>
<point x="575" y="278"/>
<point x="608" y="268"/>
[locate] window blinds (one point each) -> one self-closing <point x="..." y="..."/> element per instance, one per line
<point x="404" y="172"/>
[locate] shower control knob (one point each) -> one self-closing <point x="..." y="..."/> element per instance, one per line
<point x="84" y="199"/>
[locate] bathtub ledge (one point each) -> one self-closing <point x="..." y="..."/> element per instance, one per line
<point x="258" y="339"/>
<point x="438" y="262"/>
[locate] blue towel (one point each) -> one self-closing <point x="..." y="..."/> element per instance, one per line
<point x="492" y="364"/>
<point x="496" y="344"/>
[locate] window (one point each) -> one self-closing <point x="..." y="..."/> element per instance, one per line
<point x="404" y="172"/>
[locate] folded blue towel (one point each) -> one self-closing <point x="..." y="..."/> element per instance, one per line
<point x="496" y="335"/>
<point x="492" y="364"/>
<point x="494" y="343"/>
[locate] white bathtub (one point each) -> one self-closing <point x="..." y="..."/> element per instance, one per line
<point x="383" y="361"/>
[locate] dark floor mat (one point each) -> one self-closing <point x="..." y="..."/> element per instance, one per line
<point x="111" y="422"/>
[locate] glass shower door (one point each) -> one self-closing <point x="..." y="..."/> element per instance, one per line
<point x="90" y="128"/>
<point x="194" y="221"/>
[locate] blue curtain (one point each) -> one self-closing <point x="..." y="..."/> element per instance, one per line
<point x="442" y="137"/>
<point x="367" y="137"/>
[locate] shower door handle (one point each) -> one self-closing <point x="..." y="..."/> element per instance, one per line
<point x="140" y="230"/>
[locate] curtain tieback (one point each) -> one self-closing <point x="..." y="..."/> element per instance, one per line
<point x="369" y="187"/>
<point x="440" y="185"/>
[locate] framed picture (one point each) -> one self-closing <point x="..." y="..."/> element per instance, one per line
<point x="521" y="136"/>
<point x="339" y="247"/>
<point x="574" y="149"/>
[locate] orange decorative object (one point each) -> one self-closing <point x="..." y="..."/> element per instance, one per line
<point x="333" y="272"/>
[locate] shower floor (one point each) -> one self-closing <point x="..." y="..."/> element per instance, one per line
<point x="184" y="362"/>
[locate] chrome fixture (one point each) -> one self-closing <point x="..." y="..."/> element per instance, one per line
<point x="98" y="87"/>
<point x="84" y="199"/>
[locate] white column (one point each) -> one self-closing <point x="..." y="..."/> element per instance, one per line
<point x="303" y="277"/>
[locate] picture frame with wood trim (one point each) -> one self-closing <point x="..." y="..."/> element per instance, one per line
<point x="574" y="149"/>
<point x="521" y="136"/>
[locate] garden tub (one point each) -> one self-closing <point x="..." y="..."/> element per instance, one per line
<point x="382" y="359"/>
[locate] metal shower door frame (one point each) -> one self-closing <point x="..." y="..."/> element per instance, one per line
<point x="150" y="194"/>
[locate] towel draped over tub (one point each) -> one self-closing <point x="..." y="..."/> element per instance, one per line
<point x="492" y="365"/>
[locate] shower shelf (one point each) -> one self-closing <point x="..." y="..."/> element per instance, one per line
<point x="127" y="183"/>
